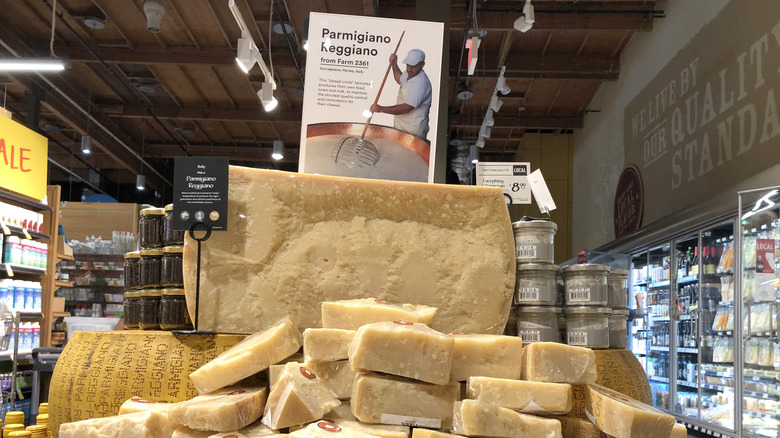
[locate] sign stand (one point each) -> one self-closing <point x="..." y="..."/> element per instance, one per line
<point x="194" y="227"/>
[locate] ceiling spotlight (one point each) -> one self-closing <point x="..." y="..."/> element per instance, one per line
<point x="86" y="144"/>
<point x="501" y="84"/>
<point x="34" y="64"/>
<point x="266" y="96"/>
<point x="496" y="103"/>
<point x="456" y="142"/>
<point x="248" y="54"/>
<point x="465" y="94"/>
<point x="306" y="34"/>
<point x="474" y="154"/>
<point x="480" y="142"/>
<point x="140" y="182"/>
<point x="282" y="27"/>
<point x="244" y="57"/>
<point x="489" y="121"/>
<point x="526" y="21"/>
<point x="154" y="12"/>
<point x="484" y="131"/>
<point x="278" y="152"/>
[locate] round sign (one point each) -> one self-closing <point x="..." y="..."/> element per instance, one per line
<point x="629" y="202"/>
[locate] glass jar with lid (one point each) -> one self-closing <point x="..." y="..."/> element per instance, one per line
<point x="171" y="236"/>
<point x="132" y="306"/>
<point x="586" y="284"/>
<point x="172" y="273"/>
<point x="538" y="324"/>
<point x="150" y="227"/>
<point x="618" y="328"/>
<point x="617" y="290"/>
<point x="534" y="240"/>
<point x="587" y="326"/>
<point x="151" y="268"/>
<point x="173" y="310"/>
<point x="132" y="268"/>
<point x="149" y="315"/>
<point x="536" y="284"/>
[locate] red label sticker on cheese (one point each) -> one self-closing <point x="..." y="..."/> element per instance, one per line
<point x="306" y="373"/>
<point x="330" y="427"/>
<point x="383" y="302"/>
<point x="140" y="400"/>
<point x="238" y="391"/>
<point x="402" y="322"/>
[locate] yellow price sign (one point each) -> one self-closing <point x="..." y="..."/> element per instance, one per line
<point x="23" y="159"/>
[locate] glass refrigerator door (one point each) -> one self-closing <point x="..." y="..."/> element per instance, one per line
<point x="758" y="237"/>
<point x="640" y="334"/>
<point x="715" y="332"/>
<point x="658" y="306"/>
<point x="685" y="326"/>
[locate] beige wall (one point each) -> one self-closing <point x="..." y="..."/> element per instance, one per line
<point x="553" y="154"/>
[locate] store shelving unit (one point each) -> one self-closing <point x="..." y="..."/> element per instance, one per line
<point x="105" y="270"/>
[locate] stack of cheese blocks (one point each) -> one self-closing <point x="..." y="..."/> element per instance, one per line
<point x="377" y="369"/>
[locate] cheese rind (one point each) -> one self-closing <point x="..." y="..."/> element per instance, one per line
<point x="139" y="404"/>
<point x="351" y="314"/>
<point x="579" y="428"/>
<point x="228" y="409"/>
<point x="558" y="363"/>
<point x="338" y="376"/>
<point x="326" y="429"/>
<point x="148" y="424"/>
<point x="404" y="349"/>
<point x="623" y="417"/>
<point x="486" y="355"/>
<point x="250" y="356"/>
<point x="296" y="240"/>
<point x="395" y="400"/>
<point x="254" y="430"/>
<point x="297" y="397"/>
<point x="326" y="344"/>
<point x="522" y="395"/>
<point x="476" y="418"/>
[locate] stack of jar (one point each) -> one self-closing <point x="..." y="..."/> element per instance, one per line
<point x="538" y="295"/>
<point x="154" y="277"/>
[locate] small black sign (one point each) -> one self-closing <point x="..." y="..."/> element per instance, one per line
<point x="200" y="192"/>
<point x="519" y="170"/>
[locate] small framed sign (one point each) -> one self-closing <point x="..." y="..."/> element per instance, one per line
<point x="629" y="202"/>
<point x="200" y="192"/>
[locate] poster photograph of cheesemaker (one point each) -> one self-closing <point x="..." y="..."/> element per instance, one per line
<point x="355" y="64"/>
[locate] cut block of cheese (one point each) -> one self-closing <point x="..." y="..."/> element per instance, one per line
<point x="139" y="404"/>
<point x="394" y="400"/>
<point x="522" y="395"/>
<point x="254" y="430"/>
<point x="558" y="363"/>
<point x="428" y="433"/>
<point x="404" y="349"/>
<point x="623" y="417"/>
<point x="228" y="409"/>
<point x="351" y="314"/>
<point x="296" y="240"/>
<point x="326" y="344"/>
<point x="147" y="424"/>
<point x="679" y="431"/>
<point x="250" y="356"/>
<point x="341" y="412"/>
<point x="338" y="376"/>
<point x="486" y="355"/>
<point x="298" y="396"/>
<point x="579" y="428"/>
<point x="378" y="430"/>
<point x="476" y="418"/>
<point x="327" y="429"/>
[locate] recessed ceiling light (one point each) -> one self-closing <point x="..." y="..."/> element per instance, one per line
<point x="95" y="22"/>
<point x="187" y="132"/>
<point x="279" y="30"/>
<point x="465" y="94"/>
<point x="146" y="88"/>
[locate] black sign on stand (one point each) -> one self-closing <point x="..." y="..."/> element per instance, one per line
<point x="200" y="204"/>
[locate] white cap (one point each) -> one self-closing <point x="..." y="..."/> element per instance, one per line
<point x="414" y="57"/>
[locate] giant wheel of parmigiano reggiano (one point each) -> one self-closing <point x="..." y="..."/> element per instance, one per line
<point x="295" y="240"/>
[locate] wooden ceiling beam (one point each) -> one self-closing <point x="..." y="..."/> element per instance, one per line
<point x="523" y="122"/>
<point x="553" y="66"/>
<point x="254" y="154"/>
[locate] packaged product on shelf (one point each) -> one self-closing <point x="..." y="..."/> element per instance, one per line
<point x="622" y="417"/>
<point x="534" y="240"/>
<point x="751" y="351"/>
<point x="726" y="263"/>
<point x="765" y="353"/>
<point x="539" y="324"/>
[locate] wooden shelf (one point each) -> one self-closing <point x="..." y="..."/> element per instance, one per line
<point x="60" y="283"/>
<point x="21" y="269"/>
<point x="24" y="201"/>
<point x="60" y="314"/>
<point x="18" y="231"/>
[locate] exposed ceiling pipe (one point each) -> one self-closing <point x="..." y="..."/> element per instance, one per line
<point x="289" y="43"/>
<point x="74" y="175"/>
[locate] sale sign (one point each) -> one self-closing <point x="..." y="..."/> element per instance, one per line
<point x="23" y="159"/>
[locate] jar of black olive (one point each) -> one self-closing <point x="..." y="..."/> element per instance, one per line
<point x="173" y="310"/>
<point x="150" y="227"/>
<point x="172" y="274"/>
<point x="132" y="270"/>
<point x="149" y="316"/>
<point x="151" y="268"/>
<point x="132" y="309"/>
<point x="171" y="236"/>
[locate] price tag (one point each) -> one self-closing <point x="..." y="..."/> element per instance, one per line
<point x="6" y="231"/>
<point x="26" y="234"/>
<point x="540" y="191"/>
<point x="9" y="271"/>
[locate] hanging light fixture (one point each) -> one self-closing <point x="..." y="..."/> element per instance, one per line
<point x="34" y="64"/>
<point x="86" y="144"/>
<point x="140" y="181"/>
<point x="278" y="152"/>
<point x="306" y="34"/>
<point x="474" y="154"/>
<point x="266" y="96"/>
<point x="495" y="103"/>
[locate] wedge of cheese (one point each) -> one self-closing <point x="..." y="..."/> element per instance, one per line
<point x="404" y="349"/>
<point x="148" y="424"/>
<point x="351" y="314"/>
<point x="341" y="412"/>
<point x="428" y="433"/>
<point x="298" y="396"/>
<point x="250" y="356"/>
<point x="522" y="395"/>
<point x="326" y="344"/>
<point x="623" y="417"/>
<point x="338" y="376"/>
<point x="679" y="431"/>
<point x="230" y="408"/>
<point x="486" y="355"/>
<point x="139" y="404"/>
<point x="476" y="418"/>
<point x="579" y="428"/>
<point x="394" y="400"/>
<point x="254" y="430"/>
<point x="558" y="363"/>
<point x="296" y="240"/>
<point x="326" y="429"/>
<point x="378" y="430"/>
